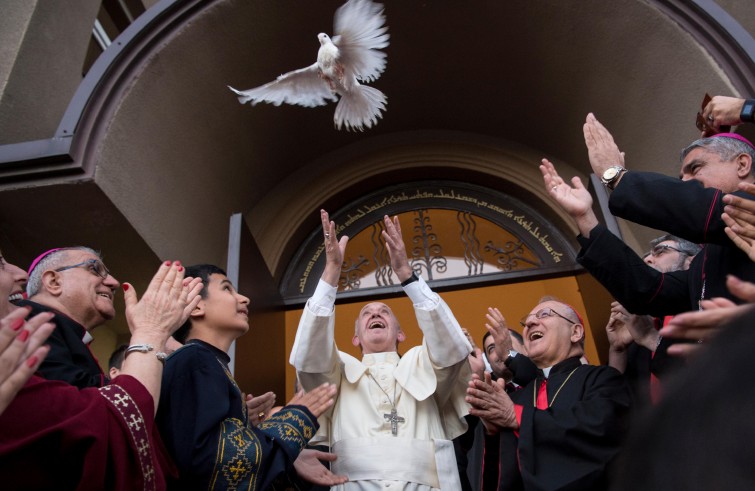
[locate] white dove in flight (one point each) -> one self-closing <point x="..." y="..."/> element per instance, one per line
<point x="350" y="56"/>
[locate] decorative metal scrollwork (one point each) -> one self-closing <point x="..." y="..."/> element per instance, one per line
<point x="351" y="274"/>
<point x="426" y="255"/>
<point x="510" y="255"/>
<point x="472" y="257"/>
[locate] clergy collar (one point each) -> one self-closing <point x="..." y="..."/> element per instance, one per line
<point x="219" y="353"/>
<point x="562" y="366"/>
<point x="377" y="358"/>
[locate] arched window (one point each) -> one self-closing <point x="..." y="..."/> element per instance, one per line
<point x="455" y="233"/>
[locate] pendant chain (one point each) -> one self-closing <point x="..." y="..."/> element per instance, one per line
<point x="393" y="402"/>
<point x="534" y="390"/>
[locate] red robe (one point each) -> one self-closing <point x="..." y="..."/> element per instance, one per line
<point x="56" y="436"/>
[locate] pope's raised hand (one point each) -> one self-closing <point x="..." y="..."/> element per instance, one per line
<point x="334" y="250"/>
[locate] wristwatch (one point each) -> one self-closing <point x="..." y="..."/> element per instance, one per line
<point x="748" y="111"/>
<point x="410" y="279"/>
<point x="611" y="175"/>
<point x="508" y="359"/>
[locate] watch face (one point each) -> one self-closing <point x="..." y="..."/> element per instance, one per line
<point x="610" y="173"/>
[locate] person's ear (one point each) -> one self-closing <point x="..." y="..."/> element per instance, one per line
<point x="52" y="282"/>
<point x="577" y="333"/>
<point x="744" y="166"/>
<point x="198" y="311"/>
<point x="400" y="336"/>
<point x="355" y="340"/>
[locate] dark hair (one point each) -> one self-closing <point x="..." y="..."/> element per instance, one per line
<point x="725" y="148"/>
<point x="116" y="359"/>
<point x="203" y="271"/>
<point x="485" y="337"/>
<point x="514" y="334"/>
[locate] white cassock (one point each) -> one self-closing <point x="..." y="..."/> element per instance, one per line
<point x="427" y="384"/>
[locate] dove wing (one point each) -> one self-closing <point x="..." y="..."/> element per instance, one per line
<point x="302" y="87"/>
<point x="360" y="32"/>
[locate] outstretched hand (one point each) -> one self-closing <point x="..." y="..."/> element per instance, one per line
<point x="498" y="329"/>
<point x="705" y="324"/>
<point x="334" y="250"/>
<point x="575" y="199"/>
<point x="601" y="149"/>
<point x="309" y="468"/>
<point x="394" y="242"/>
<point x="21" y="350"/>
<point x="317" y="400"/>
<point x="739" y="217"/>
<point x="164" y="304"/>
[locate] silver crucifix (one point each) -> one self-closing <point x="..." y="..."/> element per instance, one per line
<point x="395" y="419"/>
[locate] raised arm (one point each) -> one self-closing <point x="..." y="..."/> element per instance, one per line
<point x="601" y="148"/>
<point x="394" y="242"/>
<point x="446" y="343"/>
<point x="153" y="319"/>
<point x="314" y="354"/>
<point x="575" y="199"/>
<point x="722" y="111"/>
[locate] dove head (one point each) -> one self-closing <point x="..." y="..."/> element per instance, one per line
<point x="324" y="38"/>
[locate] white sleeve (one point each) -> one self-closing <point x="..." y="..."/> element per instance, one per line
<point x="314" y="351"/>
<point x="323" y="299"/>
<point x="446" y="343"/>
<point x="421" y="295"/>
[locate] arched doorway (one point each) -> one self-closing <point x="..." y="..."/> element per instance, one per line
<point x="477" y="246"/>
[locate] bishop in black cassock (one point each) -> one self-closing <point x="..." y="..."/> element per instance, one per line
<point x="569" y="422"/>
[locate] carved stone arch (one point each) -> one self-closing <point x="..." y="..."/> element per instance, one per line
<point x="456" y="233"/>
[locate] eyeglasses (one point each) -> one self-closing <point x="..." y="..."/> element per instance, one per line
<point x="542" y="314"/>
<point x="94" y="266"/>
<point x="663" y="248"/>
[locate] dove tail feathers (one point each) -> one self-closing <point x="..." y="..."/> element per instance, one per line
<point x="360" y="107"/>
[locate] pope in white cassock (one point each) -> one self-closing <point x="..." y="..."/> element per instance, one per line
<point x="394" y="417"/>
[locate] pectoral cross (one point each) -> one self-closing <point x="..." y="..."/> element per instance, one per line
<point x="395" y="419"/>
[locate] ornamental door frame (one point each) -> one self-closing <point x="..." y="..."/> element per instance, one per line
<point x="447" y="225"/>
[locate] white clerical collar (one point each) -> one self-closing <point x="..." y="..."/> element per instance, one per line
<point x="547" y="371"/>
<point x="377" y="358"/>
<point x="87" y="337"/>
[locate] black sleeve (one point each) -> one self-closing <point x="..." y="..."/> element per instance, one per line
<point x="637" y="286"/>
<point x="523" y="369"/>
<point x="683" y="208"/>
<point x="662" y="364"/>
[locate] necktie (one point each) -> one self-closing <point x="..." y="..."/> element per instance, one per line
<point x="542" y="395"/>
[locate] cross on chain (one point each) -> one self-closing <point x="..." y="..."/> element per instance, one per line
<point x="395" y="419"/>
